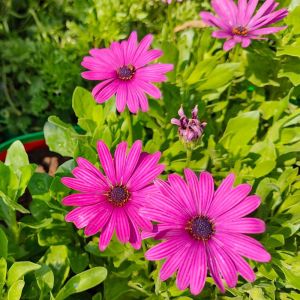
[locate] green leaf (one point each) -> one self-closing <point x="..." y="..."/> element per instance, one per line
<point x="16" y="156"/>
<point x="3" y="244"/>
<point x="78" y="260"/>
<point x="45" y="279"/>
<point x="3" y="271"/>
<point x="60" y="137"/>
<point x="57" y="259"/>
<point x="82" y="282"/>
<point x="89" y="113"/>
<point x="13" y="205"/>
<point x="15" y="291"/>
<point x="240" y="131"/>
<point x="291" y="70"/>
<point x="19" y="269"/>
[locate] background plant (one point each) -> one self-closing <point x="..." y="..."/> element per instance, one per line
<point x="249" y="98"/>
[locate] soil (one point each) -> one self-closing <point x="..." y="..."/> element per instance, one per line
<point x="47" y="161"/>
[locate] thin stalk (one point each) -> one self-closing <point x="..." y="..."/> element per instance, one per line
<point x="129" y="124"/>
<point x="188" y="156"/>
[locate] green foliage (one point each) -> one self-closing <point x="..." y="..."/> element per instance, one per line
<point x="249" y="97"/>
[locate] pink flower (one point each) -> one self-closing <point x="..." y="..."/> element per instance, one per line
<point x="204" y="230"/>
<point x="124" y="71"/>
<point x="111" y="202"/>
<point x="239" y="24"/>
<point x="190" y="130"/>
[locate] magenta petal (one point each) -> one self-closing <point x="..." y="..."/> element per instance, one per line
<point x="224" y="263"/>
<point x="118" y="53"/>
<point x="107" y="232"/>
<point x="247" y="206"/>
<point x="211" y="20"/>
<point x="230" y="200"/>
<point x="132" y="100"/>
<point x="229" y="44"/>
<point x="82" y="199"/>
<point x="184" y="270"/>
<point x="250" y="9"/>
<point x="164" y="249"/>
<point x="262" y="10"/>
<point x="198" y="270"/>
<point x="171" y="264"/>
<point x="84" y="163"/>
<point x="99" y="87"/>
<point x="132" y="160"/>
<point x="135" y="236"/>
<point x="89" y="177"/>
<point x="133" y="214"/>
<point x="149" y="88"/>
<point x="177" y="183"/>
<point x="220" y="34"/>
<point x="131" y="47"/>
<point x="242" y="9"/>
<point x="143" y="101"/>
<point x="246" y="42"/>
<point x="148" y="178"/>
<point x="154" y="72"/>
<point x="106" y="91"/>
<point x="122" y="226"/>
<point x="121" y="97"/>
<point x="148" y="57"/>
<point x="244" y="225"/>
<point x="268" y="30"/>
<point x="92" y="75"/>
<point x="214" y="271"/>
<point x="192" y="182"/>
<point x="105" y="56"/>
<point x="143" y="46"/>
<point x="120" y="160"/>
<point x="206" y="188"/>
<point x="97" y="223"/>
<point x="106" y="161"/>
<point x="245" y="246"/>
<point x="81" y="216"/>
<point x="80" y="185"/>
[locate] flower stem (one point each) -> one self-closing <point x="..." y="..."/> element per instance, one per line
<point x="188" y="156"/>
<point x="129" y="124"/>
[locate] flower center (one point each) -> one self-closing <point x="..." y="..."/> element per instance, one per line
<point x="200" y="228"/>
<point x="126" y="72"/>
<point x="240" y="30"/>
<point x="118" y="195"/>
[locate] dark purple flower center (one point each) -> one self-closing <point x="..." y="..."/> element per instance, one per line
<point x="240" y="30"/>
<point x="200" y="228"/>
<point x="118" y="195"/>
<point x="126" y="72"/>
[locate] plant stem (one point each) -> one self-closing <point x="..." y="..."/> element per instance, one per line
<point x="188" y="156"/>
<point x="129" y="124"/>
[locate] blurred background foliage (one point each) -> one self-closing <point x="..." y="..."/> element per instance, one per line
<point x="250" y="99"/>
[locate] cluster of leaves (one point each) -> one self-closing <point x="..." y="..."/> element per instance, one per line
<point x="249" y="98"/>
<point x="42" y="45"/>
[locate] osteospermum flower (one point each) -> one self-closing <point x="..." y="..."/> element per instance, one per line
<point x="190" y="130"/>
<point x="124" y="71"/>
<point x="238" y="23"/>
<point x="204" y="230"/>
<point x="111" y="202"/>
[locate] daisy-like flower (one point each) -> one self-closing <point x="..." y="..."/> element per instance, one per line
<point x="189" y="130"/>
<point x="238" y="23"/>
<point x="124" y="71"/>
<point x="111" y="202"/>
<point x="204" y="230"/>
